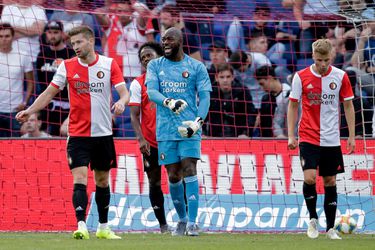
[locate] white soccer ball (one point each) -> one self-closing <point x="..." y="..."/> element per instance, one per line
<point x="345" y="224"/>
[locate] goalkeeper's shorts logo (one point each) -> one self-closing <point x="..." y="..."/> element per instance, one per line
<point x="185" y="74"/>
<point x="162" y="156"/>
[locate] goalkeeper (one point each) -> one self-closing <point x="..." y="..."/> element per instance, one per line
<point x="173" y="82"/>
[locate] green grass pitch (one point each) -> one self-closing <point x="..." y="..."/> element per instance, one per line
<point x="147" y="241"/>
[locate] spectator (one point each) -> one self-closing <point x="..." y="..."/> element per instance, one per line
<point x="28" y="21"/>
<point x="14" y="68"/>
<point x="274" y="106"/>
<point x="315" y="21"/>
<point x="32" y="127"/>
<point x="170" y="17"/>
<point x="124" y="34"/>
<point x="244" y="70"/>
<point x="73" y="16"/>
<point x="219" y="54"/>
<point x="47" y="63"/>
<point x="231" y="113"/>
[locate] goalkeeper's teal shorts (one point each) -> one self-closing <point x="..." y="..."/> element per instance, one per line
<point x="174" y="151"/>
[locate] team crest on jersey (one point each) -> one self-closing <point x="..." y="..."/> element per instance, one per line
<point x="185" y="74"/>
<point x="162" y="156"/>
<point x="332" y="85"/>
<point x="100" y="74"/>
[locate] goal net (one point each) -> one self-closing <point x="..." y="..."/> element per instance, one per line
<point x="249" y="181"/>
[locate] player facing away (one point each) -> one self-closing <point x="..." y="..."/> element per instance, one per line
<point x="89" y="78"/>
<point x="320" y="88"/>
<point x="143" y="118"/>
<point x="173" y="83"/>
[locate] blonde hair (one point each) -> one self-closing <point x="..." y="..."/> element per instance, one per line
<point x="84" y="30"/>
<point x="322" y="46"/>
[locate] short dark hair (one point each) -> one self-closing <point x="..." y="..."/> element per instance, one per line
<point x="154" y="46"/>
<point x="83" y="29"/>
<point x="224" y="67"/>
<point x="237" y="59"/>
<point x="264" y="71"/>
<point x="7" y="26"/>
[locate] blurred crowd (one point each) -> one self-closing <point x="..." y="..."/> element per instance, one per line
<point x="250" y="57"/>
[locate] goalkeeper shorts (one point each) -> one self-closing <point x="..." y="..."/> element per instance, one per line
<point x="174" y="151"/>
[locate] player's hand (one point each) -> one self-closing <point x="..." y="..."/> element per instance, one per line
<point x="22" y="116"/>
<point x="176" y="106"/>
<point x="118" y="108"/>
<point x="350" y="145"/>
<point x="292" y="143"/>
<point x="144" y="146"/>
<point x="190" y="127"/>
<point x="20" y="107"/>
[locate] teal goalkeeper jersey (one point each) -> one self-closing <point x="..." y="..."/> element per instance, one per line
<point x="177" y="80"/>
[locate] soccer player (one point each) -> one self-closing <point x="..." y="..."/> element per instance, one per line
<point x="143" y="118"/>
<point x="321" y="87"/>
<point x="89" y="77"/>
<point x="173" y="83"/>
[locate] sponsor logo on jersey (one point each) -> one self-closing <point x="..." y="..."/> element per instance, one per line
<point x="175" y="87"/>
<point x="92" y="87"/>
<point x="185" y="74"/>
<point x="100" y="74"/>
<point x="333" y="85"/>
<point x="318" y="98"/>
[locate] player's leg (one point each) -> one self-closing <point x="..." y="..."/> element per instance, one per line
<point x="153" y="170"/>
<point x="310" y="157"/>
<point x="332" y="163"/>
<point x="103" y="158"/>
<point x="78" y="160"/>
<point x="190" y="153"/>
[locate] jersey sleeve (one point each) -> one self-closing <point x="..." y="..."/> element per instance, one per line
<point x="152" y="79"/>
<point x="203" y="79"/>
<point x="116" y="75"/>
<point x="59" y="79"/>
<point x="135" y="93"/>
<point x="28" y="64"/>
<point x="346" y="92"/>
<point x="295" y="95"/>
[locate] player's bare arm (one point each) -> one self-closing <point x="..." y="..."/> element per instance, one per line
<point x="135" y="116"/>
<point x="292" y="119"/>
<point x="119" y="106"/>
<point x="350" y="119"/>
<point x="40" y="103"/>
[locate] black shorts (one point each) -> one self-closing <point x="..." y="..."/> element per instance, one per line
<point x="99" y="152"/>
<point x="328" y="159"/>
<point x="151" y="161"/>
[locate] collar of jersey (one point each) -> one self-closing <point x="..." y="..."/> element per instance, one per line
<point x="91" y="64"/>
<point x="317" y="75"/>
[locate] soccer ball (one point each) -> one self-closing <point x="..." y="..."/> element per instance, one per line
<point x="345" y="224"/>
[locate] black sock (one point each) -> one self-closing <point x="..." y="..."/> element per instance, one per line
<point x="330" y="205"/>
<point x="102" y="198"/>
<point x="309" y="192"/>
<point x="157" y="203"/>
<point x="80" y="201"/>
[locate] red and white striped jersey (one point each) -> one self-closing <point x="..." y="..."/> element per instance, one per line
<point x="321" y="96"/>
<point x="139" y="97"/>
<point x="89" y="88"/>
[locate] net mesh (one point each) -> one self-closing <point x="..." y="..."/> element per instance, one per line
<point x="246" y="185"/>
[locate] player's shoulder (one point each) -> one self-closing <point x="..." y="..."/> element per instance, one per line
<point x="139" y="79"/>
<point x="105" y="59"/>
<point x="304" y="72"/>
<point x="337" y="71"/>
<point x="70" y="61"/>
<point x="194" y="61"/>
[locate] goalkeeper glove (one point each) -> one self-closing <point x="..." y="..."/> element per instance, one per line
<point x="177" y="106"/>
<point x="190" y="127"/>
